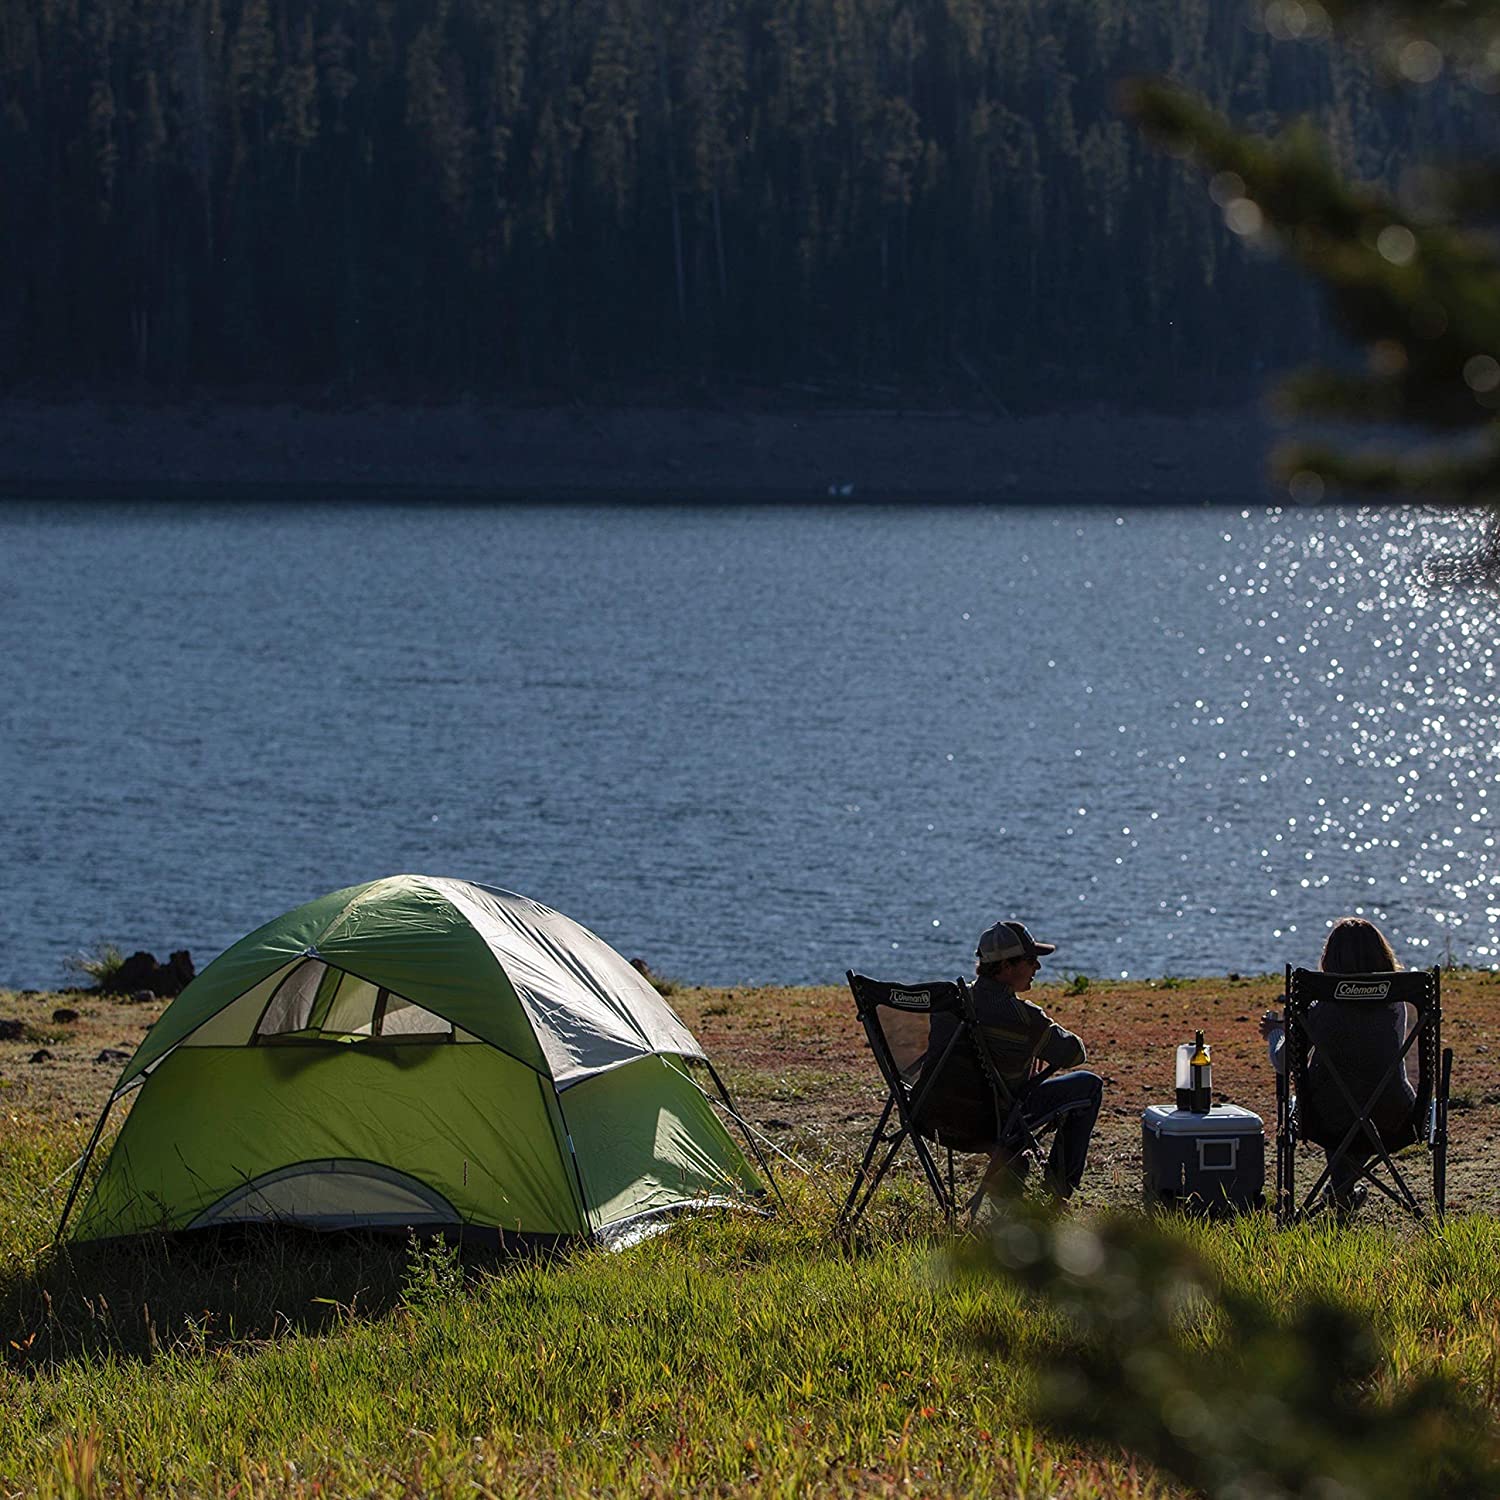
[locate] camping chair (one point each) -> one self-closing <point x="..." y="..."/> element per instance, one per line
<point x="898" y="1020"/>
<point x="1361" y="1140"/>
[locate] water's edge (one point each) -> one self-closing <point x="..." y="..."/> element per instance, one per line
<point x="468" y="452"/>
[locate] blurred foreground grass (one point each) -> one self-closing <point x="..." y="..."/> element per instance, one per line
<point x="733" y="1355"/>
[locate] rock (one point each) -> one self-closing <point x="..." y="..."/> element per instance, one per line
<point x="134" y="973"/>
<point x="180" y="967"/>
<point x="42" y="1056"/>
<point x="140" y="974"/>
<point x="12" y="1031"/>
<point x="64" y="1016"/>
<point x="112" y="1055"/>
<point x="143" y="997"/>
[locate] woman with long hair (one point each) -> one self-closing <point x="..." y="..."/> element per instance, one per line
<point x="1363" y="1040"/>
<point x="1355" y="946"/>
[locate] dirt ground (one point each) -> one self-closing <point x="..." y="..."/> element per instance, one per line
<point x="797" y="1062"/>
<point x="470" y="451"/>
<point x="797" y="1059"/>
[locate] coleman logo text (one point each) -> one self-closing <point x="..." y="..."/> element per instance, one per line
<point x="1370" y="990"/>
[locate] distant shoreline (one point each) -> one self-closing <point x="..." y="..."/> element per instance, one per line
<point x="484" y="453"/>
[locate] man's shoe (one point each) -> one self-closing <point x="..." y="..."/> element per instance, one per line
<point x="1060" y="1188"/>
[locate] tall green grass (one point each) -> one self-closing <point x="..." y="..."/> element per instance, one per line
<point x="733" y="1355"/>
<point x="98" y="967"/>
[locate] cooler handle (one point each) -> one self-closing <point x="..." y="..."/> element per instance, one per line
<point x="1211" y="1143"/>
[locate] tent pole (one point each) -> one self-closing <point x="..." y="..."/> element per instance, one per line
<point x="583" y="1199"/>
<point x="765" y="1166"/>
<point x="83" y="1166"/>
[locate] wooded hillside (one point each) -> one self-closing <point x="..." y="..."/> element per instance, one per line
<point x="425" y="196"/>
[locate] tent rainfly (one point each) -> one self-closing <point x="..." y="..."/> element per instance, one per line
<point x="415" y="1052"/>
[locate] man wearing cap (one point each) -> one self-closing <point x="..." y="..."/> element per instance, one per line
<point x="1019" y="1036"/>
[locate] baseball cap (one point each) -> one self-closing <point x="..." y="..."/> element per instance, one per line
<point x="1010" y="940"/>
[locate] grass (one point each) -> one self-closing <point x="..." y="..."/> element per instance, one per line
<point x="738" y="1354"/>
<point x="99" y="967"/>
<point x="735" y="1355"/>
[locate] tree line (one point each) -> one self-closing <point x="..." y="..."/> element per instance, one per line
<point x="428" y="196"/>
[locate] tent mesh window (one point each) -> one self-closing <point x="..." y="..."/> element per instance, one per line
<point x="290" y="1008"/>
<point x="319" y="1002"/>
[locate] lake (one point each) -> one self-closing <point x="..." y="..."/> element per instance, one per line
<point x="755" y="744"/>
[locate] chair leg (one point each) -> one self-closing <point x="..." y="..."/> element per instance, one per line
<point x="934" y="1177"/>
<point x="862" y="1190"/>
<point x="864" y="1166"/>
<point x="1286" y="1192"/>
<point x="972" y="1207"/>
<point x="848" y="1221"/>
<point x="1399" y="1192"/>
<point x="1440" y="1141"/>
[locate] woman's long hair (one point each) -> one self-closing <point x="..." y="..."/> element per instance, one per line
<point x="1356" y="946"/>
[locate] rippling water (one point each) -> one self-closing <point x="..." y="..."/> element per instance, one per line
<point x="753" y="744"/>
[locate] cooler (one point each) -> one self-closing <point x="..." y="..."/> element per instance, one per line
<point x="1209" y="1163"/>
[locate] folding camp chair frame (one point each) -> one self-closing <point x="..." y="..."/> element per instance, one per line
<point x="1421" y="989"/>
<point x="941" y="997"/>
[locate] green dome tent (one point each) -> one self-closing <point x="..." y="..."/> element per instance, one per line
<point x="414" y="1052"/>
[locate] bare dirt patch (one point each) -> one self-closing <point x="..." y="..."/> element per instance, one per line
<point x="61" y="1071"/>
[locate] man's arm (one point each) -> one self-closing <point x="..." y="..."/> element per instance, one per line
<point x="1058" y="1046"/>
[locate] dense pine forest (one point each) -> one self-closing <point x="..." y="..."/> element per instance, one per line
<point x="525" y="196"/>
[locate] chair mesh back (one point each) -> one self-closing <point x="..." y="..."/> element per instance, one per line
<point x="906" y="1035"/>
<point x="1347" y="1041"/>
<point x="1418" y="987"/>
<point x="898" y="1020"/>
<point x="1349" y="1006"/>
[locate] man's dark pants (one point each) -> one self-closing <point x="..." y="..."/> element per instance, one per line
<point x="1073" y="1100"/>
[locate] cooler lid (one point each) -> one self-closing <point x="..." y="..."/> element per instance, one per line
<point x="1222" y="1119"/>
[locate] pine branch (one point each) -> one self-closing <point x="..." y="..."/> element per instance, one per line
<point x="1420" y="295"/>
<point x="1462" y="479"/>
<point x="1465" y="25"/>
<point x="1230" y="1395"/>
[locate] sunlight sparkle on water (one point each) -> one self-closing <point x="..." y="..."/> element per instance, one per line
<point x="1399" y="732"/>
